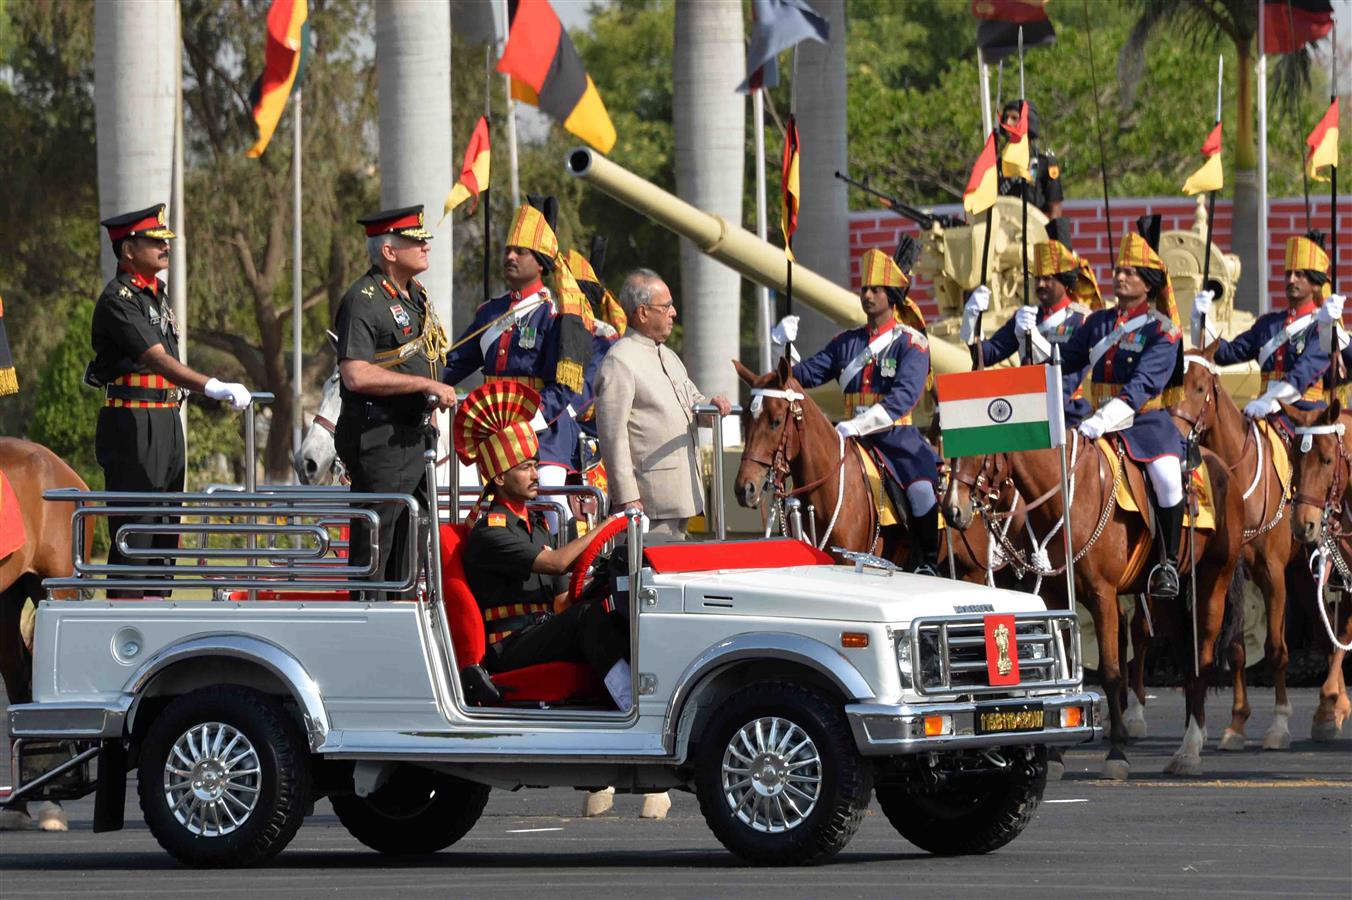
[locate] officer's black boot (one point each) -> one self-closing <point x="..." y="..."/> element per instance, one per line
<point x="479" y="687"/>
<point x="1169" y="532"/>
<point x="925" y="542"/>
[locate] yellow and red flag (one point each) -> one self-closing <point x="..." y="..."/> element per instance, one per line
<point x="1014" y="159"/>
<point x="1323" y="143"/>
<point x="284" y="61"/>
<point x="547" y="72"/>
<point x="473" y="172"/>
<point x="982" y="186"/>
<point x="788" y="213"/>
<point x="1210" y="177"/>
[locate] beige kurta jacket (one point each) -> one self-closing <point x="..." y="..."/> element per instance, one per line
<point x="646" y="423"/>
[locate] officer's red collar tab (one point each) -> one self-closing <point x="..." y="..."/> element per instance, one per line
<point x="534" y="287"/>
<point x="517" y="509"/>
<point x="1058" y="306"/>
<point x="140" y="281"/>
<point x="1304" y="309"/>
<point x="886" y="326"/>
<point x="1138" y="308"/>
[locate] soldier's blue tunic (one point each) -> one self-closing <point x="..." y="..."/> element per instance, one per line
<point x="895" y="379"/>
<point x="1299" y="360"/>
<point x="1136" y="368"/>
<point x="526" y="350"/>
<point x="1057" y="325"/>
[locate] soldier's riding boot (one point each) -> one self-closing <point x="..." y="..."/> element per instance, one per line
<point x="897" y="494"/>
<point x="1168" y="534"/>
<point x="925" y="542"/>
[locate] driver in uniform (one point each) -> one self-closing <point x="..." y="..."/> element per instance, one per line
<point x="516" y="574"/>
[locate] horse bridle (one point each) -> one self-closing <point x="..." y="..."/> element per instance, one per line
<point x="1197" y="428"/>
<point x="1342" y="467"/>
<point x="984" y="492"/>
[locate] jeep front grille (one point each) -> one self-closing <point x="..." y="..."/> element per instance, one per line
<point x="947" y="655"/>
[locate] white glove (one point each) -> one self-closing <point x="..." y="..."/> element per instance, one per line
<point x="538" y="423"/>
<point x="1092" y="427"/>
<point x="1201" y="306"/>
<point x="977" y="303"/>
<point x="1260" y="408"/>
<point x="1332" y="310"/>
<point x="236" y="394"/>
<point x="1266" y="404"/>
<point x="1201" y="303"/>
<point x="847" y="429"/>
<point x="1025" y="320"/>
<point x="1114" y="415"/>
<point x="786" y="331"/>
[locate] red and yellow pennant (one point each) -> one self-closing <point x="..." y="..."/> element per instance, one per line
<point x="1323" y="143"/>
<point x="982" y="185"/>
<point x="1210" y="177"/>
<point x="789" y="184"/>
<point x="473" y="172"/>
<point x="1014" y="160"/>
<point x="284" y="59"/>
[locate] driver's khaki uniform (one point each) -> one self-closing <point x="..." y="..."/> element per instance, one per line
<point x="517" y="604"/>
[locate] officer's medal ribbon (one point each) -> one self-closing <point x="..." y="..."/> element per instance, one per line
<point x="888" y="365"/>
<point x="526" y="338"/>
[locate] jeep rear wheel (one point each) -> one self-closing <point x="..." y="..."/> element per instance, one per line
<point x="778" y="777"/>
<point x="979" y="814"/>
<point x="224" y="777"/>
<point x="416" y="811"/>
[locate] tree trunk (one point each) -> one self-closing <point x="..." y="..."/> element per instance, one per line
<point x="709" y="62"/>
<point x="822" y="243"/>
<point x="1245" y="217"/>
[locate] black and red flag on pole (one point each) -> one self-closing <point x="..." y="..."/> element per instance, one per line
<point x="997" y="34"/>
<point x="1291" y="24"/>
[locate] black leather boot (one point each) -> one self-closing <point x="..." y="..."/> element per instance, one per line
<point x="479" y="687"/>
<point x="1168" y="534"/>
<point x="925" y="542"/>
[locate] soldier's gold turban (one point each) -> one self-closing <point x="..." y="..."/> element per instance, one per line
<point x="1054" y="258"/>
<point x="531" y="230"/>
<point x="1137" y="253"/>
<point x="1304" y="254"/>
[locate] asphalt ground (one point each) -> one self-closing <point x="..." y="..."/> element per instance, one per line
<point x="1257" y="823"/>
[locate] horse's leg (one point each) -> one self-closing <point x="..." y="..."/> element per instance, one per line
<point x="1333" y="703"/>
<point x="1278" y="735"/>
<point x="1102" y="600"/>
<point x="16" y="664"/>
<point x="1140" y="643"/>
<point x="1233" y="739"/>
<point x="1213" y="582"/>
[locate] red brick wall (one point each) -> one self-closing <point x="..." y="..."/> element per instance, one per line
<point x="881" y="229"/>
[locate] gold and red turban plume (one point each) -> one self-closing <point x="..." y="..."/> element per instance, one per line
<point x="1137" y="253"/>
<point x="531" y="230"/>
<point x="492" y="427"/>
<point x="1303" y="254"/>
<point x="877" y="269"/>
<point x="608" y="308"/>
<point x="1054" y="258"/>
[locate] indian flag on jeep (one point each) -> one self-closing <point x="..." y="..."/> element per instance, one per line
<point x="1000" y="410"/>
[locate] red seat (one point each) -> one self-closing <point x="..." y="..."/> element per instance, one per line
<point x="551" y="682"/>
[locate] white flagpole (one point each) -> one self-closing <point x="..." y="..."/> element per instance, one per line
<point x="986" y="123"/>
<point x="763" y="302"/>
<point x="1058" y="422"/>
<point x="296" y="159"/>
<point x="511" y="114"/>
<point x="1264" y="298"/>
<point x="178" y="272"/>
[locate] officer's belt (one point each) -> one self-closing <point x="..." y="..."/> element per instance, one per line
<point x="512" y="617"/>
<point x="857" y="403"/>
<point x="1281" y="337"/>
<point x="529" y="381"/>
<point x="137" y="391"/>
<point x="1314" y="392"/>
<point x="1102" y="393"/>
<point x="399" y="413"/>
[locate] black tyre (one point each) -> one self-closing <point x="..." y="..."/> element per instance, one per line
<point x="979" y="814"/>
<point x="224" y="778"/>
<point x="416" y="811"/>
<point x="778" y="777"/>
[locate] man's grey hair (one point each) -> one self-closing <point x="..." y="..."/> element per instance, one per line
<point x="376" y="241"/>
<point x="637" y="290"/>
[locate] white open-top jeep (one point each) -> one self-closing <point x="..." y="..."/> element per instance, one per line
<point x="780" y="688"/>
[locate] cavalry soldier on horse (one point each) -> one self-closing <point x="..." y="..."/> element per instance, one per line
<point x="1284" y="342"/>
<point x="883" y="368"/>
<point x="1132" y="352"/>
<point x="390" y="344"/>
<point x="1067" y="293"/>
<point x="139" y="437"/>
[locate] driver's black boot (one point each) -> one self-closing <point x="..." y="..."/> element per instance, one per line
<point x="1168" y="534"/>
<point x="479" y="687"/>
<point x="925" y="542"/>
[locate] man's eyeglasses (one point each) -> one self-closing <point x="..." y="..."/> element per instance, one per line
<point x="660" y="307"/>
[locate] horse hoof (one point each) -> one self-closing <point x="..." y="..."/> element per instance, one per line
<point x="655" y="806"/>
<point x="1231" y="741"/>
<point x="1136" y="729"/>
<point x="1115" y="770"/>
<point x="15" y="820"/>
<point x="599" y="802"/>
<point x="1324" y="730"/>
<point x="1277" y="740"/>
<point x="1184" y="765"/>
<point x="51" y="817"/>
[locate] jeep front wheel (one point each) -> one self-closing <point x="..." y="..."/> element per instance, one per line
<point x="778" y="777"/>
<point x="978" y="814"/>
<point x="224" y="777"/>
<point x="416" y="811"/>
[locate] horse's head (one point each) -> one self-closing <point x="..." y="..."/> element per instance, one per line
<point x="771" y="433"/>
<point x="1320" y="467"/>
<point x="1196" y="410"/>
<point x="973" y="482"/>
<point x="316" y="460"/>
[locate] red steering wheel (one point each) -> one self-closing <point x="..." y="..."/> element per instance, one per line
<point x="580" y="568"/>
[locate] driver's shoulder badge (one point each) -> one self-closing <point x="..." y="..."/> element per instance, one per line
<point x="497" y="520"/>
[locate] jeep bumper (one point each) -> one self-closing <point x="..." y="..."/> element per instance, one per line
<point x="882" y="729"/>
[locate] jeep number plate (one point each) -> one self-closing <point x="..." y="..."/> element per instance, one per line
<point x="1010" y="717"/>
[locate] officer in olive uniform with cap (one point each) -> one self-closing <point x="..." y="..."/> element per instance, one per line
<point x="139" y="437"/>
<point x="390" y="345"/>
<point x="1044" y="172"/>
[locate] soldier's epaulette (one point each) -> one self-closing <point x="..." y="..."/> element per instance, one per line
<point x="917" y="338"/>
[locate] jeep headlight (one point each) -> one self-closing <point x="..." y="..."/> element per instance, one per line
<point x="904" y="658"/>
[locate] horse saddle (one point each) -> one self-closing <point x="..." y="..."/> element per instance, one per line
<point x="12" y="533"/>
<point x="1278" y="450"/>
<point x="887" y="494"/>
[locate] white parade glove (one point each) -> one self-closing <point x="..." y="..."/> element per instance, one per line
<point x="978" y="302"/>
<point x="1092" y="427"/>
<point x="1116" y="414"/>
<point x="1201" y="306"/>
<point x="1260" y="408"/>
<point x="1025" y="320"/>
<point x="538" y="423"/>
<point x="847" y="429"/>
<point x="236" y="394"/>
<point x="1266" y="404"/>
<point x="1330" y="322"/>
<point x="785" y="331"/>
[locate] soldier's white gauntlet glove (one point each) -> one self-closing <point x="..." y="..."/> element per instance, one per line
<point x="1267" y="404"/>
<point x="237" y="395"/>
<point x="1114" y="415"/>
<point x="785" y="331"/>
<point x="978" y="302"/>
<point x="1330" y="321"/>
<point x="1201" y="306"/>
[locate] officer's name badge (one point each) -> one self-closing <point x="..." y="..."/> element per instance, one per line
<point x="497" y="520"/>
<point x="400" y="315"/>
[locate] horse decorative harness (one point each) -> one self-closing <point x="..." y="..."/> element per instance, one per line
<point x="1329" y="534"/>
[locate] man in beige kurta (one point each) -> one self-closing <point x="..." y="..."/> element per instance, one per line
<point x="645" y="413"/>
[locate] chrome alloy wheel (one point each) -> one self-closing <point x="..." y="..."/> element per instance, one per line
<point x="772" y="774"/>
<point x="211" y="779"/>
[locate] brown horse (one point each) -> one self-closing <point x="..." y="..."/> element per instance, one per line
<point x="1321" y="478"/>
<point x="31" y="469"/>
<point x="1207" y="413"/>
<point x="1105" y="538"/>
<point x="792" y="437"/>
